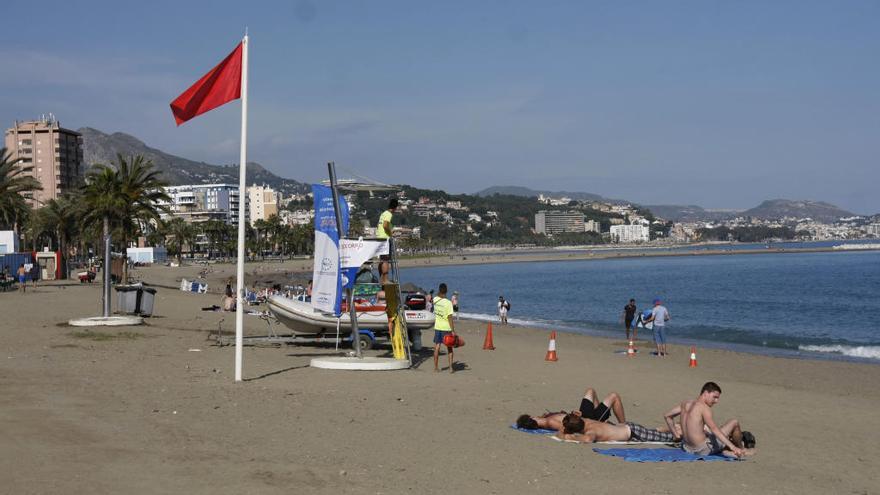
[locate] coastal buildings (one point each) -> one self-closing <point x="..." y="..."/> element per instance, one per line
<point x="55" y="153"/>
<point x="592" y="226"/>
<point x="551" y="222"/>
<point x="263" y="202"/>
<point x="198" y="203"/>
<point x="8" y="242"/>
<point x="630" y="233"/>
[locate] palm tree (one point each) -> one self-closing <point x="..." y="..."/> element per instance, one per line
<point x="15" y="184"/>
<point x="60" y="216"/>
<point x="262" y="230"/>
<point x="181" y="233"/>
<point x="124" y="197"/>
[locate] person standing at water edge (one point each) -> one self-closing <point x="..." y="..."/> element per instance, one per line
<point x="443" y="324"/>
<point x="629" y="314"/>
<point x="455" y="303"/>
<point x="659" y="317"/>
<point x="383" y="232"/>
<point x="503" y="306"/>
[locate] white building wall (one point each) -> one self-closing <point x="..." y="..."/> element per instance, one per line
<point x="630" y="233"/>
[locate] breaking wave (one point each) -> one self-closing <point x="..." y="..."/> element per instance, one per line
<point x="862" y="351"/>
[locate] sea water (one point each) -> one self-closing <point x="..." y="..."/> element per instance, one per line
<point x="802" y="304"/>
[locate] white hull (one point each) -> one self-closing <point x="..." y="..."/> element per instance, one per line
<point x="303" y="319"/>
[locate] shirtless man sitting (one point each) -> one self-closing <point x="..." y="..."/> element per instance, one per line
<point x="590" y="408"/>
<point x="576" y="429"/>
<point x="700" y="434"/>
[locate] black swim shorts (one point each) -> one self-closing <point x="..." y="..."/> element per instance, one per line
<point x="597" y="413"/>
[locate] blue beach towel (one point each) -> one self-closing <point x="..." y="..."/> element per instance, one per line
<point x="539" y="431"/>
<point x="660" y="455"/>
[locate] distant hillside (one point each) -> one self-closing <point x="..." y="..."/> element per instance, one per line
<point x="690" y="213"/>
<point x="526" y="192"/>
<point x="99" y="147"/>
<point x="778" y="208"/>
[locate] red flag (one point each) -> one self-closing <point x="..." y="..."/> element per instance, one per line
<point x="221" y="85"/>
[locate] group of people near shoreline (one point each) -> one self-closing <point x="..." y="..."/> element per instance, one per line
<point x="652" y="319"/>
<point x="696" y="428"/>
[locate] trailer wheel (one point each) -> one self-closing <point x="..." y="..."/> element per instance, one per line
<point x="365" y="342"/>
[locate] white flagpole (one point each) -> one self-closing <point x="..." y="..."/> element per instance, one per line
<point x="242" y="204"/>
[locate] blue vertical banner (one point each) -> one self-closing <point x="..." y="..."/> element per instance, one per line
<point x="326" y="275"/>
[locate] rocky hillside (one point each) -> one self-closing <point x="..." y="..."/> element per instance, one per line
<point x="779" y="208"/>
<point x="526" y="192"/>
<point x="690" y="213"/>
<point x="99" y="147"/>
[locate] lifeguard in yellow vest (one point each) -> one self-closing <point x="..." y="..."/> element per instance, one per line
<point x="383" y="231"/>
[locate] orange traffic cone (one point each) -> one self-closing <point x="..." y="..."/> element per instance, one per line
<point x="631" y="350"/>
<point x="488" y="345"/>
<point x="551" y="348"/>
<point x="693" y="363"/>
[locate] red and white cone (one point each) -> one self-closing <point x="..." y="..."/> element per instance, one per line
<point x="551" y="348"/>
<point x="693" y="363"/>
<point x="631" y="350"/>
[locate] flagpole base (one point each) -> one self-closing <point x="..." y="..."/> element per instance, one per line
<point x="359" y="364"/>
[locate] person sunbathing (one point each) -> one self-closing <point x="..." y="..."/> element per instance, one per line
<point x="548" y="421"/>
<point x="700" y="434"/>
<point x="590" y="408"/>
<point x="576" y="428"/>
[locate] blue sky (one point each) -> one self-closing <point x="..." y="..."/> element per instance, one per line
<point x="715" y="103"/>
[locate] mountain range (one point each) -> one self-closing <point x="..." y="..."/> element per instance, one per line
<point x="768" y="210"/>
<point x="99" y="147"/>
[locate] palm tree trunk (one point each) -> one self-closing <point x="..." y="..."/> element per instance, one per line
<point x="124" y="259"/>
<point x="107" y="268"/>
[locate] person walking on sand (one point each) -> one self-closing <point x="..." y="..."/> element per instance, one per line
<point x="629" y="315"/>
<point x="659" y="317"/>
<point x="443" y="325"/>
<point x="383" y="232"/>
<point x="503" y="308"/>
<point x="699" y="433"/>
<point x="22" y="278"/>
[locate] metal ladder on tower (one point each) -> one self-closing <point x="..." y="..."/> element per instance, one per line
<point x="401" y="311"/>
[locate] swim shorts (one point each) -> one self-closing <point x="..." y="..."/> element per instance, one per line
<point x="22" y="279"/>
<point x="438" y="336"/>
<point x="629" y="322"/>
<point x="638" y="433"/>
<point x="659" y="334"/>
<point x="711" y="446"/>
<point x="596" y="413"/>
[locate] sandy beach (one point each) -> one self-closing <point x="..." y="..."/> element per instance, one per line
<point x="154" y="409"/>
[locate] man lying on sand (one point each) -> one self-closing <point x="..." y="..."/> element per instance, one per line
<point x="575" y="428"/>
<point x="548" y="421"/>
<point x="590" y="408"/>
<point x="700" y="434"/>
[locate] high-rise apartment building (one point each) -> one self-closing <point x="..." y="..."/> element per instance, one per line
<point x="55" y="153"/>
<point x="263" y="202"/>
<point x="556" y="222"/>
<point x="202" y="202"/>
